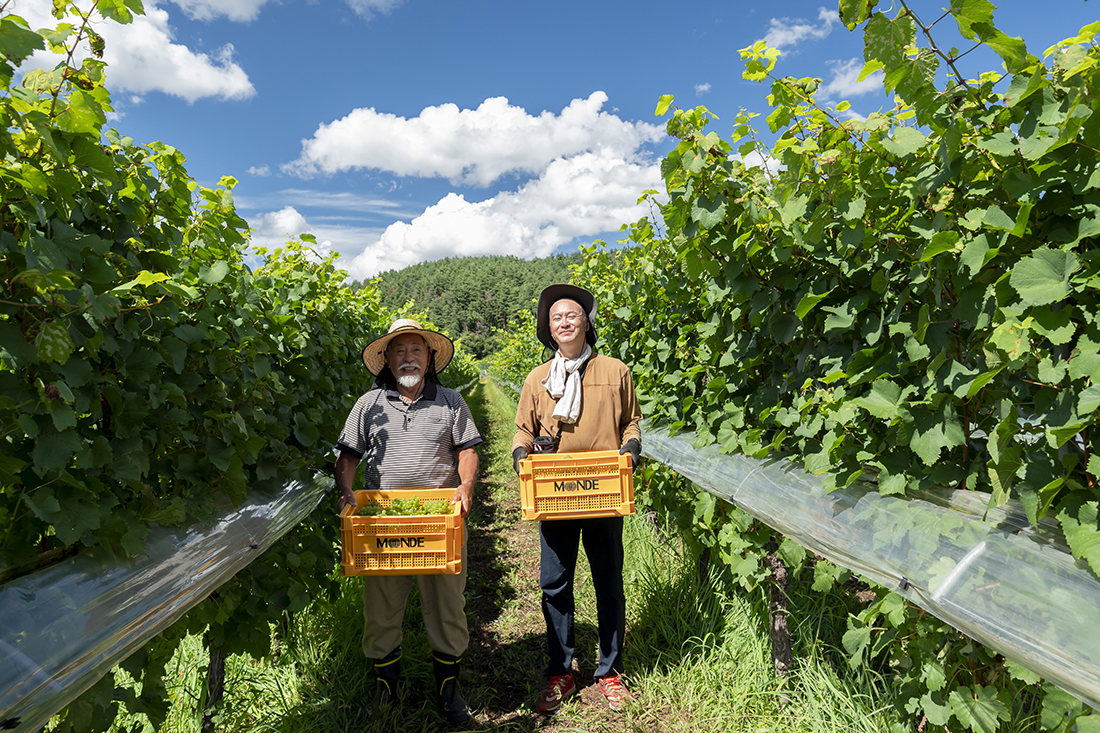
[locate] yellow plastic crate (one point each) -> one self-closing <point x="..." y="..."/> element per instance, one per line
<point x="412" y="545"/>
<point x="578" y="485"/>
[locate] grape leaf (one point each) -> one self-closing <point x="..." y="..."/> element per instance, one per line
<point x="1043" y="277"/>
<point x="979" y="711"/>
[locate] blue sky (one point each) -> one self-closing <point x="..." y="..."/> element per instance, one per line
<point x="399" y="131"/>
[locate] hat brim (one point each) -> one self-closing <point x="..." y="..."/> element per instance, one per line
<point x="374" y="355"/>
<point x="552" y="294"/>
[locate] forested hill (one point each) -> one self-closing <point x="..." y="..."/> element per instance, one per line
<point x="472" y="296"/>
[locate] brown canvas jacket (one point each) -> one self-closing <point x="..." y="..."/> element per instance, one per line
<point x="609" y="409"/>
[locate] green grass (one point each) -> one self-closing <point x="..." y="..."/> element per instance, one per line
<point x="697" y="651"/>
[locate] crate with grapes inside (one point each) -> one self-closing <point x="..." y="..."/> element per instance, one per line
<point x="408" y="531"/>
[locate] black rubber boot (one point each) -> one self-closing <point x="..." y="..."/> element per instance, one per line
<point x="387" y="673"/>
<point x="448" y="700"/>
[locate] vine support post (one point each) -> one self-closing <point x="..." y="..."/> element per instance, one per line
<point x="781" y="635"/>
<point x="702" y="565"/>
<point x="215" y="687"/>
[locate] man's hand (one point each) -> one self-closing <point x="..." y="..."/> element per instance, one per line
<point x="345" y="479"/>
<point x="634" y="448"/>
<point x="464" y="494"/>
<point x="343" y="501"/>
<point x="518" y="455"/>
<point x="467" y="474"/>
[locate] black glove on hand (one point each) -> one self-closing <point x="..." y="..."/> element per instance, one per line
<point x="634" y="448"/>
<point x="518" y="455"/>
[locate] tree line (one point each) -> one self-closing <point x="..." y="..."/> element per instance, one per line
<point x="472" y="297"/>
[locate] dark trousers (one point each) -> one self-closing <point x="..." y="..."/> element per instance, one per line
<point x="603" y="545"/>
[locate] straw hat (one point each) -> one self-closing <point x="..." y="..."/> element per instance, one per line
<point x="374" y="356"/>
<point x="552" y="294"/>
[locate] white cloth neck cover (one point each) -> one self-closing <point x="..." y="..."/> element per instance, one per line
<point x="563" y="382"/>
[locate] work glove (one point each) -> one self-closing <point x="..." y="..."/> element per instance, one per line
<point x="634" y="448"/>
<point x="518" y="455"/>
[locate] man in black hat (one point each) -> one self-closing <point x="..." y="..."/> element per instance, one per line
<point x="579" y="401"/>
<point x="413" y="432"/>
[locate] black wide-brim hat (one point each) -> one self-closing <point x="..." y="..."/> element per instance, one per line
<point x="552" y="294"/>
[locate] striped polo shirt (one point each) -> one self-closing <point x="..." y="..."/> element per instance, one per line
<point x="413" y="445"/>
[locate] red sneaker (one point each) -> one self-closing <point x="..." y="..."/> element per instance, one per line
<point x="557" y="689"/>
<point x="615" y="691"/>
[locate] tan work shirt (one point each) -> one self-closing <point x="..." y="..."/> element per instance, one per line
<point x="609" y="409"/>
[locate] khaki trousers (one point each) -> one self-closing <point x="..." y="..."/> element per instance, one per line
<point x="441" y="602"/>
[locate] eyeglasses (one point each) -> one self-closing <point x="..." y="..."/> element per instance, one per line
<point x="570" y="317"/>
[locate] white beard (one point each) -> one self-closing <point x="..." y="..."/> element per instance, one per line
<point x="408" y="381"/>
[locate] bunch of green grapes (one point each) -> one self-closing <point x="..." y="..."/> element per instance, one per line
<point x="407" y="507"/>
<point x="371" y="509"/>
<point x="436" y="506"/>
<point x="404" y="507"/>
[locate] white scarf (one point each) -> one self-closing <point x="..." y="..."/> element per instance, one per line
<point x="564" y="384"/>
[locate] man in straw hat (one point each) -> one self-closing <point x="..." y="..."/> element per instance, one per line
<point x="413" y="432"/>
<point x="578" y="401"/>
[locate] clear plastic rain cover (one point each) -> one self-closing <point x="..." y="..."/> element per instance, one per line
<point x="65" y="626"/>
<point x="1014" y="588"/>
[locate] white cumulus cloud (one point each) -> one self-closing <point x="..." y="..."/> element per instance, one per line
<point x="844" y="81"/>
<point x="273" y="229"/>
<point x="370" y="8"/>
<point x="279" y="226"/>
<point x="237" y="10"/>
<point x="578" y="175"/>
<point x="142" y="57"/>
<point x="701" y="89"/>
<point x="469" y="146"/>
<point x="580" y="196"/>
<point x="783" y="33"/>
<point x="755" y="159"/>
<point x="248" y="10"/>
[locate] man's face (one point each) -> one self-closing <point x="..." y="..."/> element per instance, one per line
<point x="407" y="358"/>
<point x="567" y="323"/>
